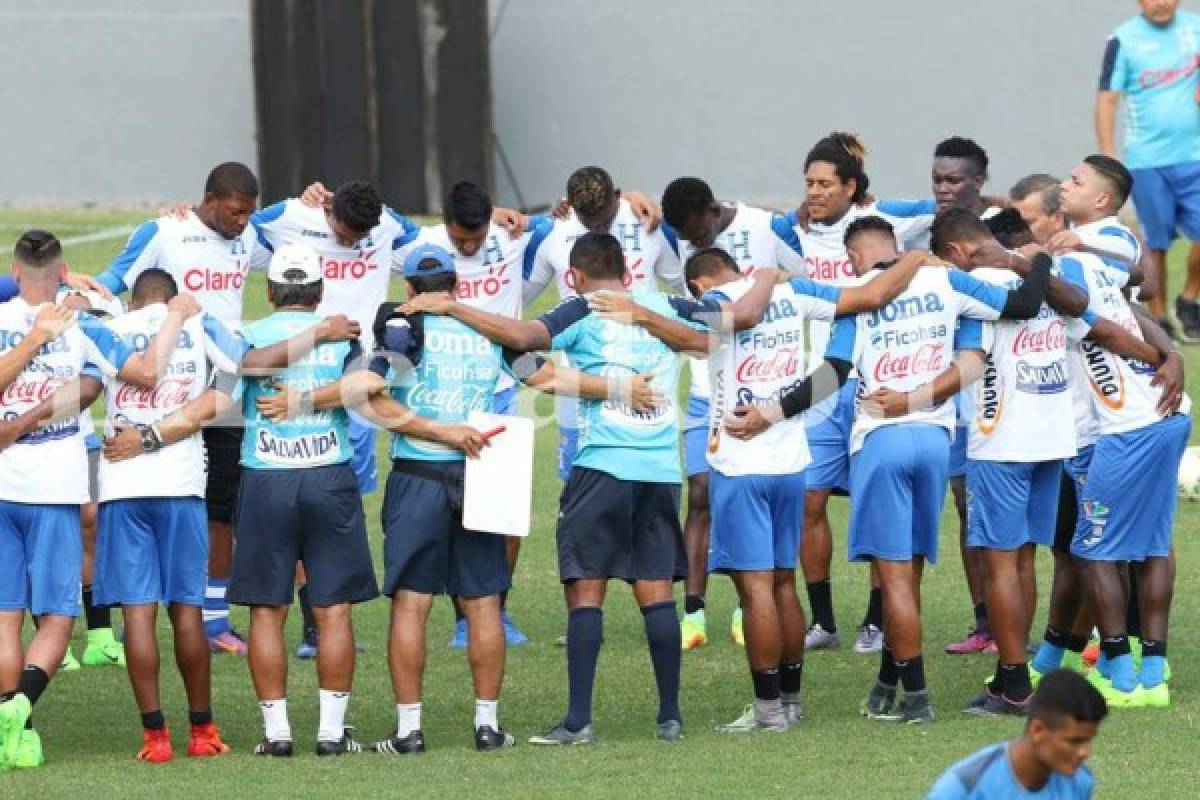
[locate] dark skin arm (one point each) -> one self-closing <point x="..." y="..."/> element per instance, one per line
<point x="272" y="358"/>
<point x="515" y="334"/>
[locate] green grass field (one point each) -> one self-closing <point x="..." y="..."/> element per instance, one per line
<point x="90" y="726"/>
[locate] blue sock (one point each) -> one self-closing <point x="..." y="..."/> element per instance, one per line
<point x="663" y="637"/>
<point x="1103" y="666"/>
<point x="1048" y="657"/>
<point x="1154" y="670"/>
<point x="585" y="634"/>
<point x="1123" y="677"/>
<point x="216" y="609"/>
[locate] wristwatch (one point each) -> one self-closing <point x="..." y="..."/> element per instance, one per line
<point x="151" y="438"/>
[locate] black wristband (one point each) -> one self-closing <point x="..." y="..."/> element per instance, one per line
<point x="1042" y="262"/>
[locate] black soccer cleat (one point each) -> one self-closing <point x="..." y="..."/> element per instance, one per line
<point x="397" y="746"/>
<point x="489" y="738"/>
<point x="339" y="747"/>
<point x="281" y="748"/>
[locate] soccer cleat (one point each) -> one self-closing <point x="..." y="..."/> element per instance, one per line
<point x="1074" y="661"/>
<point x="69" y="662"/>
<point x="29" y="751"/>
<point x="459" y="639"/>
<point x="404" y="745"/>
<point x="735" y="627"/>
<point x="977" y="641"/>
<point x="749" y="722"/>
<point x="559" y="736"/>
<point x="818" y="638"/>
<point x="229" y="641"/>
<point x="205" y="741"/>
<point x="1035" y="677"/>
<point x="1091" y="653"/>
<point x="307" y="649"/>
<point x="513" y="637"/>
<point x="1188" y="313"/>
<point x="13" y="714"/>
<point x="669" y="731"/>
<point x="561" y="641"/>
<point x="693" y="630"/>
<point x="1116" y="698"/>
<point x="913" y="709"/>
<point x="103" y="649"/>
<point x="869" y="640"/>
<point x="275" y="748"/>
<point x="156" y="746"/>
<point x="881" y="700"/>
<point x="1158" y="696"/>
<point x="988" y="704"/>
<point x="339" y="747"/>
<point x="489" y="738"/>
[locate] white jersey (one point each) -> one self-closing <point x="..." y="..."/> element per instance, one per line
<point x="1025" y="394"/>
<point x="1122" y="398"/>
<point x="756" y="366"/>
<point x="102" y="308"/>
<point x="177" y="470"/>
<point x="912" y="220"/>
<point x="202" y="262"/>
<point x="356" y="277"/>
<point x="911" y="340"/>
<point x="49" y="464"/>
<point x="649" y="257"/>
<point x="1114" y="237"/>
<point x="753" y="238"/>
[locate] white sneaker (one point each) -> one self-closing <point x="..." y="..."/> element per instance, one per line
<point x="749" y="722"/>
<point x="870" y="640"/>
<point x="818" y="638"/>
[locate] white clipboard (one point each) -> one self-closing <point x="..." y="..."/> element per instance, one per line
<point x="498" y="486"/>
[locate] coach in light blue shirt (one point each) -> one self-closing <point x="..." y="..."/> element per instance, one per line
<point x="1153" y="60"/>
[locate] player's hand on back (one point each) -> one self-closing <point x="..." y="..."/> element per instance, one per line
<point x="282" y="405"/>
<point x="615" y="306"/>
<point x="338" y="328"/>
<point x="648" y="211"/>
<point x="511" y="220"/>
<point x="640" y="393"/>
<point x="746" y="422"/>
<point x="1064" y="242"/>
<point x="1170" y="377"/>
<point x="562" y="209"/>
<point x="428" y="302"/>
<point x="315" y="195"/>
<point x="51" y="320"/>
<point x="465" y="438"/>
<point x="86" y="283"/>
<point x="177" y="211"/>
<point x="886" y="404"/>
<point x="184" y="304"/>
<point x="123" y="444"/>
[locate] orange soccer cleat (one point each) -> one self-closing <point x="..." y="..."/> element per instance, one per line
<point x="206" y="741"/>
<point x="156" y="746"/>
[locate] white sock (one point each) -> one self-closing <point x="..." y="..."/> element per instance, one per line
<point x="408" y="718"/>
<point x="275" y="720"/>
<point x="485" y="713"/>
<point x="332" y="726"/>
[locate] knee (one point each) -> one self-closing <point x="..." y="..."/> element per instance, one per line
<point x="698" y="494"/>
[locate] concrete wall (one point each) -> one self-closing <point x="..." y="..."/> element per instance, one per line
<point x="737" y="90"/>
<point x="121" y="101"/>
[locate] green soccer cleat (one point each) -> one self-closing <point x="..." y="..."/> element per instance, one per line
<point x="1073" y="661"/>
<point x="29" y="751"/>
<point x="69" y="662"/>
<point x="103" y="649"/>
<point x="735" y="627"/>
<point x="693" y="630"/>
<point x="13" y="714"/>
<point x="1156" y="696"/>
<point x="1135" y="698"/>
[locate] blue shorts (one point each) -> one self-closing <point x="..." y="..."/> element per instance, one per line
<point x="362" y="460"/>
<point x="41" y="557"/>
<point x="695" y="436"/>
<point x="425" y="547"/>
<point x="957" y="457"/>
<point x="151" y="550"/>
<point x="1167" y="201"/>
<point x="829" y="444"/>
<point x="505" y="401"/>
<point x="1076" y="469"/>
<point x="1130" y="495"/>
<point x="756" y="521"/>
<point x="900" y="473"/>
<point x="1011" y="504"/>
<point x="568" y="435"/>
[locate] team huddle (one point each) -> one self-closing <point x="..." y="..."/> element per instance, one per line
<point x="876" y="349"/>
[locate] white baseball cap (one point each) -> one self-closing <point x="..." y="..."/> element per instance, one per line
<point x="295" y="264"/>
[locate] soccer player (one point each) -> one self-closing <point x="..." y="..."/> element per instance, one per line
<point x="43" y="475"/>
<point x="1049" y="759"/>
<point x="901" y="460"/>
<point x="153" y="544"/>
<point x="757" y="485"/>
<point x="1136" y="456"/>
<point x="836" y="194"/>
<point x="618" y="512"/>
<point x="207" y="249"/>
<point x="754" y="238"/>
<point x="1150" y="59"/>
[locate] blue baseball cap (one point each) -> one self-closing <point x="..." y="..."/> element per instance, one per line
<point x="428" y="259"/>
